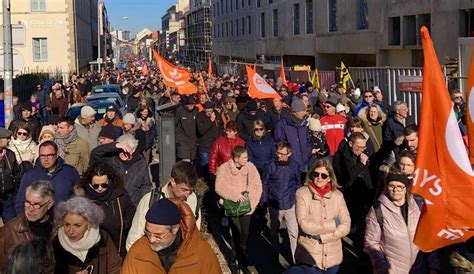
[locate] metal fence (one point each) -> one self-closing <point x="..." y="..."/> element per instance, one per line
<point x="387" y="78"/>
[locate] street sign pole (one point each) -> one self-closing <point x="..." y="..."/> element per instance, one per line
<point x="7" y="63"/>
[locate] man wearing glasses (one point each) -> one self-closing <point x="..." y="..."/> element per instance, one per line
<point x="50" y="167"/>
<point x="35" y="222"/>
<point x="170" y="227"/>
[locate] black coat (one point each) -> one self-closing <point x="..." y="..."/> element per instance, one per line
<point x="186" y="137"/>
<point x="245" y="121"/>
<point x="208" y="132"/>
<point x="274" y="117"/>
<point x="10" y="173"/>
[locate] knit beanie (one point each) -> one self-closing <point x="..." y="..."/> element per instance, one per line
<point x="391" y="177"/>
<point x="108" y="131"/>
<point x="129" y="119"/>
<point x="314" y="124"/>
<point x="87" y="111"/>
<point x="163" y="212"/>
<point x="297" y="105"/>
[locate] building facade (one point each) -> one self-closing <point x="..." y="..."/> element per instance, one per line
<point x="57" y="36"/>
<point x="172" y="34"/>
<point x="198" y="35"/>
<point x="321" y="33"/>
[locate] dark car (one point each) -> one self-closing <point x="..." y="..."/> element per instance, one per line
<point x="112" y="88"/>
<point x="111" y="97"/>
<point x="100" y="106"/>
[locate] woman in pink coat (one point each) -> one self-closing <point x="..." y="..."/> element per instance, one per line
<point x="323" y="219"/>
<point x="391" y="226"/>
<point x="233" y="179"/>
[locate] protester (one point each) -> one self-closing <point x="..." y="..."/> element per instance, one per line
<point x="22" y="144"/>
<point x="76" y="149"/>
<point x="208" y="130"/>
<point x="59" y="103"/>
<point x="26" y="117"/>
<point x="49" y="167"/>
<point x="10" y="175"/>
<point x="373" y="118"/>
<point x="186" y="137"/>
<point x="221" y="150"/>
<point x="86" y="127"/>
<point x="81" y="245"/>
<point x="248" y="116"/>
<point x="333" y="125"/>
<point x="129" y="127"/>
<point x="34" y="256"/>
<point x="320" y="148"/>
<point x="146" y="123"/>
<point x="35" y="222"/>
<point x="238" y="180"/>
<point x="107" y="135"/>
<point x="319" y="240"/>
<point x="260" y="147"/>
<point x="171" y="243"/>
<point x="102" y="185"/>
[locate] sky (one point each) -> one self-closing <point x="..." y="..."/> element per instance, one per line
<point x="140" y="13"/>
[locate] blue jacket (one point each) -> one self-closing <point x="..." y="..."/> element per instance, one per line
<point x="63" y="179"/>
<point x="280" y="184"/>
<point x="261" y="151"/>
<point x="298" y="137"/>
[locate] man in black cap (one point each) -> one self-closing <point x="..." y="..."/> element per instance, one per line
<point x="9" y="173"/>
<point x="247" y="116"/>
<point x="107" y="135"/>
<point x="26" y="117"/>
<point x="170" y="227"/>
<point x="186" y="138"/>
<point x="208" y="129"/>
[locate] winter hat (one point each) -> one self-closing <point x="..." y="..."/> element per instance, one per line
<point x="87" y="111"/>
<point x="392" y="177"/>
<point x="357" y="92"/>
<point x="208" y="105"/>
<point x="252" y="105"/>
<point x="340" y="107"/>
<point x="314" y="124"/>
<point x="377" y="89"/>
<point x="189" y="100"/>
<point x="129" y="119"/>
<point x="26" y="106"/>
<point x="112" y="108"/>
<point x="163" y="212"/>
<point x="108" y="131"/>
<point x="46" y="129"/>
<point x="297" y="105"/>
<point x="302" y="89"/>
<point x="5" y="133"/>
<point x="332" y="101"/>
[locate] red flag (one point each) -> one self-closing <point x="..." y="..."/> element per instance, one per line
<point x="258" y="87"/>
<point x="209" y="67"/>
<point x="470" y="109"/>
<point x="443" y="173"/>
<point x="203" y="84"/>
<point x="173" y="76"/>
<point x="282" y="73"/>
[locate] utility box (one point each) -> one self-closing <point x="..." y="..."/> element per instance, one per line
<point x="166" y="138"/>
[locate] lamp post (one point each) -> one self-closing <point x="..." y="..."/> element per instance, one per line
<point x="7" y="63"/>
<point x="99" y="30"/>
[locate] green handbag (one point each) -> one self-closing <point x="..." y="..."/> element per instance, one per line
<point x="237" y="209"/>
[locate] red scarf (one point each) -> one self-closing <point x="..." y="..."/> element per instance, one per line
<point x="321" y="191"/>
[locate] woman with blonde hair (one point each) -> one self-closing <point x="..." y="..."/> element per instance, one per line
<point x="323" y="219"/>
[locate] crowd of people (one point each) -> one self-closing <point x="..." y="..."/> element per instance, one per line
<point x="77" y="195"/>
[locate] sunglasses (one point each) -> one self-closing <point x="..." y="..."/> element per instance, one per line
<point x="22" y="133"/>
<point x="369" y="96"/>
<point x="458" y="97"/>
<point x="323" y="176"/>
<point x="258" y="129"/>
<point x="104" y="185"/>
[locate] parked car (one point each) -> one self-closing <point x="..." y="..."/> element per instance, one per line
<point x="111" y="97"/>
<point x="106" y="89"/>
<point x="99" y="106"/>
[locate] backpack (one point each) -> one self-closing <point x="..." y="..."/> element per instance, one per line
<point x="378" y="210"/>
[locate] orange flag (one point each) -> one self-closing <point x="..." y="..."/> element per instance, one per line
<point x="258" y="87"/>
<point x="174" y="76"/>
<point x="282" y="73"/>
<point x="443" y="175"/>
<point x="209" y="67"/>
<point x="470" y="109"/>
<point x="203" y="84"/>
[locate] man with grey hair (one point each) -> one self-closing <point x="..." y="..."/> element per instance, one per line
<point x="35" y="222"/>
<point x="124" y="157"/>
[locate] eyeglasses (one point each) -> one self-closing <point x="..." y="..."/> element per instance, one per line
<point x="22" y="133"/>
<point x="282" y="154"/>
<point x="397" y="188"/>
<point x="258" y="129"/>
<point x="47" y="156"/>
<point x="368" y="96"/>
<point x="458" y="97"/>
<point x="36" y="206"/>
<point x="96" y="186"/>
<point x="149" y="235"/>
<point x="321" y="175"/>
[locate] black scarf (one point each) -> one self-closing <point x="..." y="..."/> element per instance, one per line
<point x="168" y="255"/>
<point x="102" y="197"/>
<point x="42" y="229"/>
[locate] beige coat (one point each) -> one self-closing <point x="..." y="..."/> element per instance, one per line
<point x="317" y="215"/>
<point x="393" y="250"/>
<point x="78" y="155"/>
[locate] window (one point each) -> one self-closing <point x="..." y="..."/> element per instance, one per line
<point x="394" y="31"/>
<point x="38" y="5"/>
<point x="242" y="3"/>
<point x="249" y="3"/>
<point x="236" y="4"/>
<point x="332" y="15"/>
<point x="237" y="27"/>
<point x="296" y="19"/>
<point x="222" y="6"/>
<point x="275" y="22"/>
<point x="258" y="4"/>
<point x="262" y="24"/>
<point x="40" y="49"/>
<point x="231" y="5"/>
<point x="214" y="10"/>
<point x="466" y="23"/>
<point x="270" y="1"/>
<point x="231" y="28"/>
<point x="250" y="24"/>
<point x="222" y="29"/>
<point x="226" y="6"/>
<point x="309" y="16"/>
<point x="227" y="29"/>
<point x="422" y="20"/>
<point x="243" y="25"/>
<point x="409" y="27"/>
<point x="362" y="14"/>
<point x="217" y="30"/>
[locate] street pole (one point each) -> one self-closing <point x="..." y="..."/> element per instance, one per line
<point x="98" y="35"/>
<point x="7" y="63"/>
